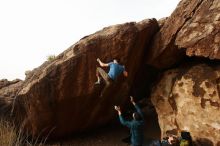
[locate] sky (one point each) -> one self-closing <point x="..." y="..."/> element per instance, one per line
<point x="31" y="30"/>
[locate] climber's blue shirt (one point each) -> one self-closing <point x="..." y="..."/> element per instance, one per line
<point x="115" y="70"/>
<point x="136" y="128"/>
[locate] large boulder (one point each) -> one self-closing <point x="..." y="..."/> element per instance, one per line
<point x="188" y="99"/>
<point x="60" y="98"/>
<point x="193" y="29"/>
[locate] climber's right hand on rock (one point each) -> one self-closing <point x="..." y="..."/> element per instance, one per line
<point x="117" y="108"/>
<point x="132" y="100"/>
<point x="98" y="59"/>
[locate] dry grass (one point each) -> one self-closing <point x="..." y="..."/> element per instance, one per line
<point x="9" y="136"/>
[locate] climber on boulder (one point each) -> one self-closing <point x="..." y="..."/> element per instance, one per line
<point x="115" y="69"/>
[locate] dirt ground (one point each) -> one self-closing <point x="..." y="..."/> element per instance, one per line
<point x="112" y="135"/>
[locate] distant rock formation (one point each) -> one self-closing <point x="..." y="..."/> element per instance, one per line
<point x="5" y="82"/>
<point x="8" y="92"/>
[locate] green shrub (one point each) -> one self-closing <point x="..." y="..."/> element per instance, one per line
<point x="51" y="57"/>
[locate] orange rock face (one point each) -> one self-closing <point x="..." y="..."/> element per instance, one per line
<point x="200" y="35"/>
<point x="193" y="29"/>
<point x="189" y="99"/>
<point x="60" y="98"/>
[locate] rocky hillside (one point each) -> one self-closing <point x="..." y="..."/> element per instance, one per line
<point x="59" y="97"/>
